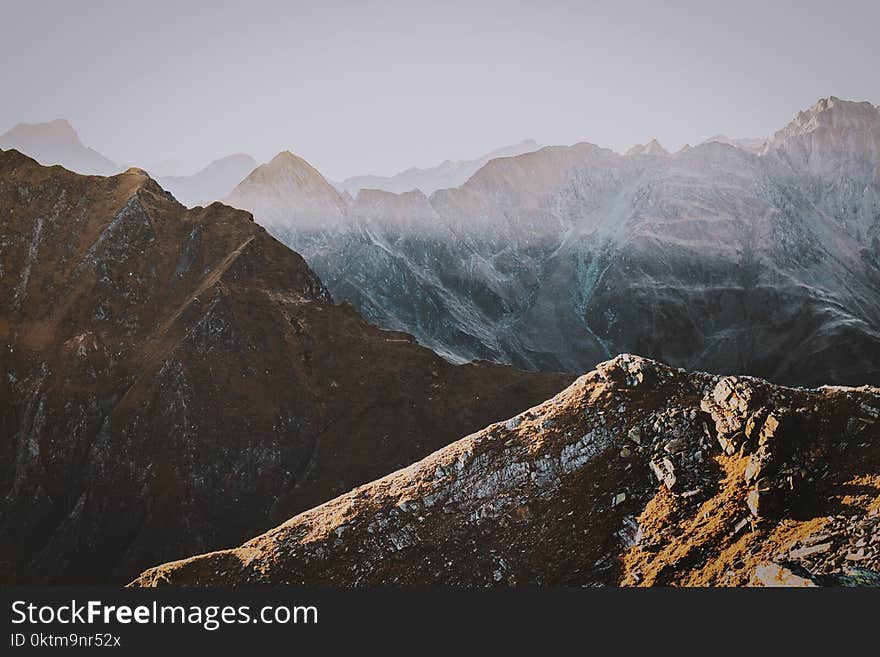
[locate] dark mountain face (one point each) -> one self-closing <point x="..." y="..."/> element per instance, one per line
<point x="716" y="257"/>
<point x="638" y="474"/>
<point x="174" y="381"/>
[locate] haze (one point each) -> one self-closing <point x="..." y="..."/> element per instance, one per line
<point x="376" y="87"/>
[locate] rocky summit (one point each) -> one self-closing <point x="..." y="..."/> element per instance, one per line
<point x="637" y="474"/>
<point x="174" y="381"/>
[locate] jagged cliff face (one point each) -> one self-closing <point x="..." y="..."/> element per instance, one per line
<point x="176" y="380"/>
<point x="716" y="257"/>
<point x="637" y="474"/>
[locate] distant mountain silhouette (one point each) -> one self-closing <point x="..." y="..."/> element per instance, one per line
<point x="56" y="142"/>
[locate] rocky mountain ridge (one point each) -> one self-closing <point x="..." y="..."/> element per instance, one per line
<point x="638" y="474"/>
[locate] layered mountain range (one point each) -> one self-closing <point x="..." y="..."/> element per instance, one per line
<point x="56" y="142"/>
<point x="638" y="474"/>
<point x="451" y="173"/>
<point x="213" y="182"/>
<point x="176" y="380"/>
<point x="725" y="257"/>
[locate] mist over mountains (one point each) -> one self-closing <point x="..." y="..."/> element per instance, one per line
<point x="56" y="142"/>
<point x="175" y="380"/>
<point x="736" y="255"/>
<point x="451" y="173"/>
<point x="213" y="182"/>
<point x="717" y="257"/>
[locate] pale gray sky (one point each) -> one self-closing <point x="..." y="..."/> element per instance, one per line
<point x="367" y="86"/>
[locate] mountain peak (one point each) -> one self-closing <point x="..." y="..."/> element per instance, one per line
<point x="56" y="142"/>
<point x="286" y="157"/>
<point x="288" y="193"/>
<point x="135" y="171"/>
<point x="751" y="144"/>
<point x="59" y="129"/>
<point x="831" y="136"/>
<point x="287" y="162"/>
<point x="834" y="114"/>
<point x="234" y="160"/>
<point x="653" y="147"/>
<point x="213" y="182"/>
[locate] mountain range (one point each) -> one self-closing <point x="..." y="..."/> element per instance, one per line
<point x="211" y="183"/>
<point x="176" y="380"/>
<point x="56" y="142"/>
<point x="451" y="173"/>
<point x="717" y="257"/>
<point x="290" y="377"/>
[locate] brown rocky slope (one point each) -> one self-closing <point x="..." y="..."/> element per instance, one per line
<point x="174" y="381"/>
<point x="637" y="474"/>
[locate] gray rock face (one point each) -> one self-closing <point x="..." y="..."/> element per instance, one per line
<point x="716" y="257"/>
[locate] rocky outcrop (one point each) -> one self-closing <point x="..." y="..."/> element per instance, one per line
<point x="637" y="474"/>
<point x="174" y="380"/>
